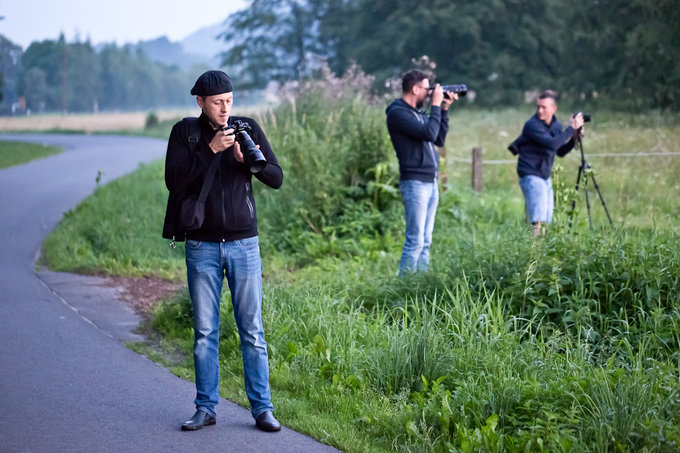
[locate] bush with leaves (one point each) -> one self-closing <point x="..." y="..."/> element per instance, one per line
<point x="340" y="172"/>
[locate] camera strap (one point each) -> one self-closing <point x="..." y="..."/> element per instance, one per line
<point x="207" y="184"/>
<point x="193" y="132"/>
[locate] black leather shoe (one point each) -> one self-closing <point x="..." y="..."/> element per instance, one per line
<point x="198" y="421"/>
<point x="266" y="422"/>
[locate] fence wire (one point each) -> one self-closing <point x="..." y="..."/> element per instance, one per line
<point x="512" y="161"/>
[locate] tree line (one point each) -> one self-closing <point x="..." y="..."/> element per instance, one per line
<point x="612" y="53"/>
<point x="623" y="53"/>
<point x="60" y="76"/>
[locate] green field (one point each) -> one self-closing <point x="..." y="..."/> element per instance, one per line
<point x="568" y="342"/>
<point x="15" y="153"/>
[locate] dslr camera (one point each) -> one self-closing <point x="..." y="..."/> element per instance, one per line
<point x="251" y="153"/>
<point x="460" y="89"/>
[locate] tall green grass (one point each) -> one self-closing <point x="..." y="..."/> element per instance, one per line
<point x="568" y="342"/>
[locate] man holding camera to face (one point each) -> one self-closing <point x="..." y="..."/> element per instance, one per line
<point x="213" y="156"/>
<point x="542" y="138"/>
<point x="414" y="135"/>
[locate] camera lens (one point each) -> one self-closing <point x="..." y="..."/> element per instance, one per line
<point x="460" y="89"/>
<point x="252" y="154"/>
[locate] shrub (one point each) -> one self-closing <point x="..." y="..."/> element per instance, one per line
<point x="151" y="121"/>
<point x="340" y="173"/>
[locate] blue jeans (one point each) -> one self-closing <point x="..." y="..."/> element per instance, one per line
<point x="207" y="265"/>
<point x="539" y="199"/>
<point x="420" y="201"/>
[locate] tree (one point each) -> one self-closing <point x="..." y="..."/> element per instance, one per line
<point x="37" y="97"/>
<point x="491" y="45"/>
<point x="628" y="51"/>
<point x="495" y="47"/>
<point x="73" y="77"/>
<point x="272" y="40"/>
<point x="70" y="71"/>
<point x="82" y="78"/>
<point x="10" y="55"/>
<point x="42" y="61"/>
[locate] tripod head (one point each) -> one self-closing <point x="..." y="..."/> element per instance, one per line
<point x="580" y="131"/>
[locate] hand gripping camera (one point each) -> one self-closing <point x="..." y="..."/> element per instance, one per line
<point x="252" y="155"/>
<point x="586" y="116"/>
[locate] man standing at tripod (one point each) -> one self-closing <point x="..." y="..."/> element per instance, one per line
<point x="542" y="138"/>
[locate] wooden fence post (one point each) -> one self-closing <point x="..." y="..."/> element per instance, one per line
<point x="477" y="181"/>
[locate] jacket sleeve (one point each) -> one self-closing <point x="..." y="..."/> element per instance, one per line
<point x="408" y="122"/>
<point x="533" y="132"/>
<point x="564" y="149"/>
<point x="271" y="174"/>
<point x="443" y="128"/>
<point x="182" y="165"/>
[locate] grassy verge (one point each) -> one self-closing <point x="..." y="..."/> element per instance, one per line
<point x="116" y="230"/>
<point x="565" y="343"/>
<point x="15" y="153"/>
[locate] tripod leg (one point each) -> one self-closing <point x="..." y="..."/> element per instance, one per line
<point x="573" y="202"/>
<point x="584" y="168"/>
<point x="604" y="205"/>
<point x="585" y="189"/>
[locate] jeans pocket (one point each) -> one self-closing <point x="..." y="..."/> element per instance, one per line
<point x="193" y="244"/>
<point x="247" y="242"/>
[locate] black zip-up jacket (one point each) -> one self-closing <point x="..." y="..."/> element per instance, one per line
<point x="538" y="145"/>
<point x="414" y="135"/>
<point x="230" y="212"/>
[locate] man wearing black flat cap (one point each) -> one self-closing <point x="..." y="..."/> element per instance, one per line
<point x="224" y="244"/>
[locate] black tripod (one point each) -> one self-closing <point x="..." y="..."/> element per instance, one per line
<point x="584" y="169"/>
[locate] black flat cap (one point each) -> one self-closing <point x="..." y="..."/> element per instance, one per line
<point x="211" y="83"/>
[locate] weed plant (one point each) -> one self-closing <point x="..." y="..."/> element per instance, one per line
<point x="568" y="342"/>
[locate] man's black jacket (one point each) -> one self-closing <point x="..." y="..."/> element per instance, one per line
<point x="230" y="212"/>
<point x="538" y="145"/>
<point x="414" y="135"/>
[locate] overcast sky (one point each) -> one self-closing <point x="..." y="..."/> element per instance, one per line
<point x="119" y="21"/>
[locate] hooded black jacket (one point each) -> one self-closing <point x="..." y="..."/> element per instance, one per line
<point x="414" y="135"/>
<point x="230" y="212"/>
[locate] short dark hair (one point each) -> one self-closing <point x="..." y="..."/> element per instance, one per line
<point x="411" y="79"/>
<point x="548" y="94"/>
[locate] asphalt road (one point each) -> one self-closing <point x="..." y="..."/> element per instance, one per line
<point x="66" y="384"/>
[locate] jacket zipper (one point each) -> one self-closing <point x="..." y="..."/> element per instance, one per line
<point x="250" y="205"/>
<point x="224" y="213"/>
<point x="429" y="145"/>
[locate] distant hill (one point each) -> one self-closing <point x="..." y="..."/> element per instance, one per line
<point x="204" y="42"/>
<point x="200" y="47"/>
